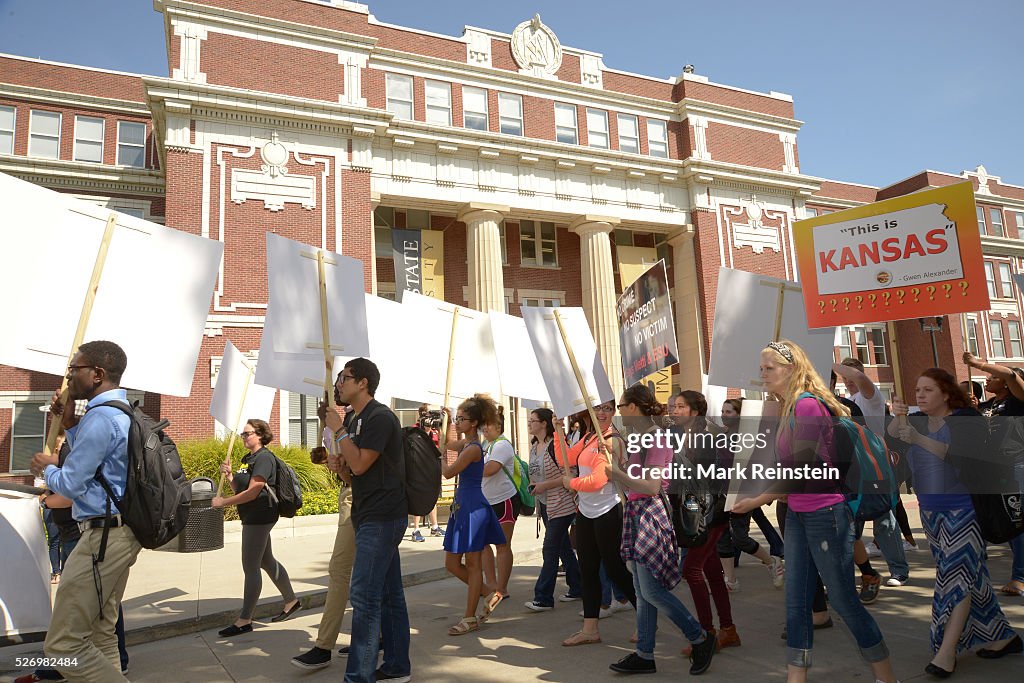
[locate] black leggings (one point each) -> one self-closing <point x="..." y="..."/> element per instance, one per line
<point x="257" y="554"/>
<point x="597" y="542"/>
<point x="820" y="602"/>
<point x="902" y="520"/>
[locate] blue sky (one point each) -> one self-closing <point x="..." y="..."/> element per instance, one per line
<point x="885" y="88"/>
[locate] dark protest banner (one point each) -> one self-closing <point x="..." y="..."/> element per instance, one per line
<point x="647" y="331"/>
<point x="407" y="250"/>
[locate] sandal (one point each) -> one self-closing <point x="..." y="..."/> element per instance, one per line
<point x="465" y="625"/>
<point x="1014" y="588"/>
<point x="581" y="638"/>
<point x="493" y="600"/>
<point x="55" y="578"/>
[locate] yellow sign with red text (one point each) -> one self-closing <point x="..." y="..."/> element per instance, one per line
<point x="908" y="257"/>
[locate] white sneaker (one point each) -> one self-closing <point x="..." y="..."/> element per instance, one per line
<point x="536" y="607"/>
<point x="909" y="547"/>
<point x="873" y="550"/>
<point x="568" y="597"/>
<point x="617" y="606"/>
<point x="604" y="613"/>
<point x="777" y="570"/>
<point x="897" y="581"/>
<point x="733" y="586"/>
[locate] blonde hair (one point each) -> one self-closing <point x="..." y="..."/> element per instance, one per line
<point x="803" y="378"/>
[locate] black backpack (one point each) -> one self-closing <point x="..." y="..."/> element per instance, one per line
<point x="157" y="496"/>
<point x="286" y="493"/>
<point x="422" y="471"/>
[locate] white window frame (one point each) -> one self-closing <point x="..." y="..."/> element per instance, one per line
<point x="657" y="143"/>
<point x="564" y="130"/>
<point x="33" y="136"/>
<point x="845" y="342"/>
<point x="634" y="140"/>
<point x="971" y="336"/>
<point x="531" y="231"/>
<point x="996" y="219"/>
<point x="14" y="437"/>
<point x="467" y="113"/>
<point x="121" y="144"/>
<point x="596" y="136"/>
<point x="507" y="120"/>
<point x="312" y="432"/>
<point x="1016" y="349"/>
<point x="810" y="212"/>
<point x="439" y="111"/>
<point x="389" y="100"/>
<point x="1005" y="281"/>
<point x="79" y="138"/>
<point x="990" y="279"/>
<point x="877" y="348"/>
<point x="12" y="129"/>
<point x="1019" y="218"/>
<point x="981" y="220"/>
<point x="1000" y="351"/>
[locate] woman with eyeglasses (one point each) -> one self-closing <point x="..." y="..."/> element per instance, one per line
<point x="649" y="543"/>
<point x="557" y="507"/>
<point x="258" y="513"/>
<point x="472" y="525"/>
<point x="819" y="524"/>
<point x="598" y="521"/>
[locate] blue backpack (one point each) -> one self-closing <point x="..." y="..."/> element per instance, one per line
<point x="864" y="461"/>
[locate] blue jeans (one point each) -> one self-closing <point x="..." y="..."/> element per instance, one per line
<point x="53" y="543"/>
<point x="1017" y="544"/>
<point x="821" y="542"/>
<point x="890" y="542"/>
<point x="651" y="596"/>
<point x="775" y="545"/>
<point x="557" y="547"/>
<point x="608" y="588"/>
<point x="378" y="603"/>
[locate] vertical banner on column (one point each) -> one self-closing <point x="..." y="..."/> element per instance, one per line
<point x="646" y="330"/>
<point x="432" y="258"/>
<point x="407" y="250"/>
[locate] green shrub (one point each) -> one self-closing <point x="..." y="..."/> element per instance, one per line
<point x="319" y="503"/>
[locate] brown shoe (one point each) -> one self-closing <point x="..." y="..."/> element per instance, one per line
<point x="688" y="650"/>
<point x="727" y="637"/>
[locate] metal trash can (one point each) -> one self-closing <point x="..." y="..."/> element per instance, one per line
<point x="205" y="528"/>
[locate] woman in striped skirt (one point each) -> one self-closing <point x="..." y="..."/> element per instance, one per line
<point x="965" y="613"/>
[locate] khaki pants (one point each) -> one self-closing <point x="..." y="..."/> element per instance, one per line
<point x="81" y="630"/>
<point x="340" y="572"/>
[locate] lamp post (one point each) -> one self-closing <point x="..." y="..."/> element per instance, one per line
<point x="931" y="329"/>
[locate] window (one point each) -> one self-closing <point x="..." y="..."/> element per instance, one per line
<point x="537" y="243"/>
<point x="399" y="95"/>
<point x="876" y="335"/>
<point x="303" y="427"/>
<point x="1019" y="215"/>
<point x="860" y="337"/>
<point x="44" y="134"/>
<point x="981" y="220"/>
<point x="811" y="213"/>
<point x="971" y="334"/>
<point x="138" y="213"/>
<point x="996" y="216"/>
<point x="843" y="342"/>
<point x="28" y="435"/>
<point x="383" y="219"/>
<point x="7" y="116"/>
<point x="439" y="102"/>
<point x="510" y="114"/>
<point x="504" y="247"/>
<point x="629" y="134"/>
<point x="1015" y="347"/>
<point x="89" y="139"/>
<point x="1005" y="281"/>
<point x="657" y="139"/>
<point x="131" y="144"/>
<point x="550" y="303"/>
<point x="990" y="279"/>
<point x="565" y="123"/>
<point x="474" y="108"/>
<point x="623" y="238"/>
<point x="998" y="348"/>
<point x="597" y="128"/>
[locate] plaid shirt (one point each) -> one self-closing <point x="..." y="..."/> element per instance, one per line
<point x="649" y="539"/>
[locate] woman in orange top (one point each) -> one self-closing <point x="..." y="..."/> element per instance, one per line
<point x="598" y="521"/>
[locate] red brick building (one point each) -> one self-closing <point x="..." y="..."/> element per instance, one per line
<point x="545" y="170"/>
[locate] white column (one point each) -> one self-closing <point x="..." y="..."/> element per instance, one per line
<point x="483" y="252"/>
<point x="687" y="310"/>
<point x="598" y="284"/>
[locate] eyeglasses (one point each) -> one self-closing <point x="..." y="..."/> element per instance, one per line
<point x="246" y="435"/>
<point x="620" y="406"/>
<point x="463" y="418"/>
<point x="72" y="368"/>
<point x="605" y="408"/>
<point x="344" y="378"/>
<point x="535" y="422"/>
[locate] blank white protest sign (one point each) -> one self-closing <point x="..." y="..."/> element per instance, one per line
<point x="153" y="295"/>
<point x="554" y="360"/>
<point x="295" y="298"/>
<point x="236" y="380"/>
<point x="745" y="317"/>
<point x="517" y="364"/>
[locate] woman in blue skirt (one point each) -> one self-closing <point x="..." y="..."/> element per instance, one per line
<point x="472" y="525"/>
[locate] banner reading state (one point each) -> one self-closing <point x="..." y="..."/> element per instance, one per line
<point x="647" y="332"/>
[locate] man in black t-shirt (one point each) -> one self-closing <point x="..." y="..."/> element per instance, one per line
<point x="372" y="447"/>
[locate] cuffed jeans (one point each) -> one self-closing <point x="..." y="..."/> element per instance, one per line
<point x="652" y="596"/>
<point x="890" y="542"/>
<point x="557" y="547"/>
<point x="821" y="542"/>
<point x="378" y="603"/>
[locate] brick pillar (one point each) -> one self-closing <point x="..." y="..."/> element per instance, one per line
<point x="687" y="302"/>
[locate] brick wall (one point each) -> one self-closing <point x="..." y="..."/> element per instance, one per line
<point x="71" y="79"/>
<point x="745" y="146"/>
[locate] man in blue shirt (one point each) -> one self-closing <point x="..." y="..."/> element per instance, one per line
<point x="81" y="637"/>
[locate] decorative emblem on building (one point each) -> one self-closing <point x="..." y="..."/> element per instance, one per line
<point x="275" y="156"/>
<point x="272" y="183"/>
<point x="536" y="48"/>
<point x="754" y="233"/>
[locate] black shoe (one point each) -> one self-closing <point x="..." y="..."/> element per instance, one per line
<point x="343" y="651"/>
<point x="317" y="658"/>
<point x="395" y="678"/>
<point x="1014" y="647"/>
<point x="701" y="655"/>
<point x="234" y="630"/>
<point x="634" y="664"/>
<point x="286" y="614"/>
<point x="938" y="671"/>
